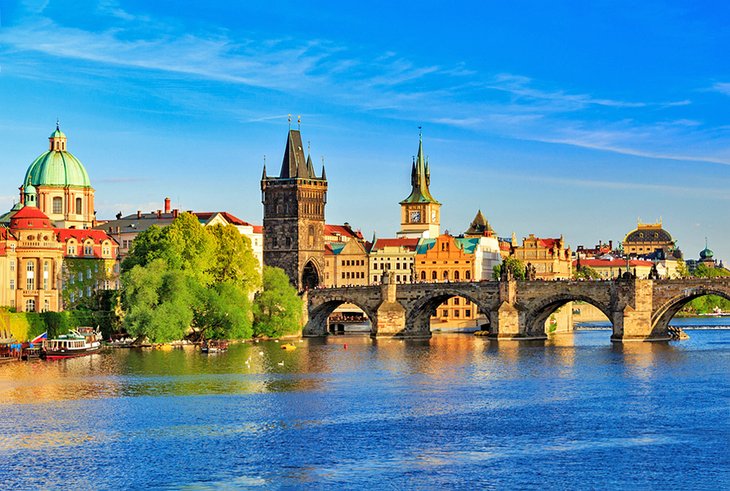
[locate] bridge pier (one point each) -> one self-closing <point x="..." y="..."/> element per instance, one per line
<point x="391" y="322"/>
<point x="633" y="322"/>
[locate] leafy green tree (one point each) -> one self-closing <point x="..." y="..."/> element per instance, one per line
<point x="585" y="273"/>
<point x="516" y="266"/>
<point x="682" y="270"/>
<point x="277" y="308"/>
<point x="704" y="271"/>
<point x="233" y="258"/>
<point x="188" y="276"/>
<point x="159" y="302"/>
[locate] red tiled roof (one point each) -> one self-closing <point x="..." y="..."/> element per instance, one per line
<point x="616" y="263"/>
<point x="30" y="212"/>
<point x="258" y="229"/>
<point x="30" y="217"/>
<point x="232" y="219"/>
<point x="98" y="236"/>
<point x="400" y="242"/>
<point x="505" y="246"/>
<point x="330" y="229"/>
<point x="548" y="243"/>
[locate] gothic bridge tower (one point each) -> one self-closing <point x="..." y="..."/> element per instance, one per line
<point x="294" y="216"/>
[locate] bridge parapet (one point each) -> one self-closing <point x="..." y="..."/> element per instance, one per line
<point x="638" y="309"/>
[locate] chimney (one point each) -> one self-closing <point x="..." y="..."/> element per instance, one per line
<point x="610" y="244"/>
<point x="139" y="213"/>
<point x="175" y="212"/>
<point x="167" y="205"/>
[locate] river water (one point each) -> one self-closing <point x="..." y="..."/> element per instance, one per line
<point x="455" y="412"/>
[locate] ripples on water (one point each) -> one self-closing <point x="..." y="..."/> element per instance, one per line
<point x="455" y="412"/>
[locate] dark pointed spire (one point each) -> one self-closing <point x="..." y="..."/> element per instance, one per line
<point x="324" y="174"/>
<point x="263" y="175"/>
<point x="420" y="177"/>
<point x="310" y="168"/>
<point x="294" y="164"/>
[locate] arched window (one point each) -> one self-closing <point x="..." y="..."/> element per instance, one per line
<point x="434" y="275"/>
<point x="57" y="205"/>
<point x="78" y="206"/>
<point x="456" y="275"/>
<point x="467" y="275"/>
<point x="423" y="275"/>
<point x="446" y="275"/>
<point x="30" y="305"/>
<point x="30" y="266"/>
<point x="310" y="236"/>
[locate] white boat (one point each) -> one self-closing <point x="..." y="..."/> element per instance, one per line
<point x="78" y="342"/>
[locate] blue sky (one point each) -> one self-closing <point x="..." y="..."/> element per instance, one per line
<point x="571" y="118"/>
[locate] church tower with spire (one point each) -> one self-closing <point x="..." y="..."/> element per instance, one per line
<point x="294" y="216"/>
<point x="420" y="212"/>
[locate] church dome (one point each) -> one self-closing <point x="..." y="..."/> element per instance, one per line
<point x="706" y="253"/>
<point x="648" y="234"/>
<point x="57" y="166"/>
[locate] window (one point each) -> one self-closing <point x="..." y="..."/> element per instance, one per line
<point x="57" y="205"/>
<point x="78" y="206"/>
<point x="46" y="305"/>
<point x="30" y="305"/>
<point x="12" y="283"/>
<point x="456" y="313"/>
<point x="467" y="313"/>
<point x="434" y="275"/>
<point x="88" y="273"/>
<point x="456" y="275"/>
<point x="456" y="300"/>
<point x="467" y="275"/>
<point x="30" y="267"/>
<point x="423" y="276"/>
<point x="88" y="250"/>
<point x="72" y="250"/>
<point x="446" y="275"/>
<point x="30" y="283"/>
<point x="88" y="291"/>
<point x="12" y="265"/>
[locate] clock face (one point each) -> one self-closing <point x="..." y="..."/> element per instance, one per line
<point x="433" y="216"/>
<point x="415" y="216"/>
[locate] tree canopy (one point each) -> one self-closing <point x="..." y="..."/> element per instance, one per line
<point x="277" y="308"/>
<point x="516" y="267"/>
<point x="187" y="275"/>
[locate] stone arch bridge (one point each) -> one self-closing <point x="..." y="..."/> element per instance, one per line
<point x="639" y="309"/>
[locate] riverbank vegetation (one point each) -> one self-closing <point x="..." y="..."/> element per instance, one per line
<point x="189" y="280"/>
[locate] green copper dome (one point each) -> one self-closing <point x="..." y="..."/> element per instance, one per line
<point x="57" y="167"/>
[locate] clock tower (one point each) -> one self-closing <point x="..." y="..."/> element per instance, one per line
<point x="420" y="213"/>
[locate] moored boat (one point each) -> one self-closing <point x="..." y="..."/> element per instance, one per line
<point x="78" y="342"/>
<point x="214" y="346"/>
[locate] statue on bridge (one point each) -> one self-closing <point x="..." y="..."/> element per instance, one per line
<point x="530" y="272"/>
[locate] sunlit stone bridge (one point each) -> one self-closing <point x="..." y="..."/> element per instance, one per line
<point x="638" y="309"/>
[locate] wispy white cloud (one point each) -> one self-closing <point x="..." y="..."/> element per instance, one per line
<point x="388" y="84"/>
<point x="722" y="87"/>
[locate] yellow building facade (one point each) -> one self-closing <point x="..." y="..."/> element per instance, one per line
<point x="550" y="257"/>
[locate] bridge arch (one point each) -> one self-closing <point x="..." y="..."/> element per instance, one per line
<point x="666" y="312"/>
<point x="418" y="316"/>
<point x="320" y="311"/>
<point x="537" y="314"/>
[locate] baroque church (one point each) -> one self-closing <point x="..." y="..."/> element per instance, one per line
<point x="50" y="258"/>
